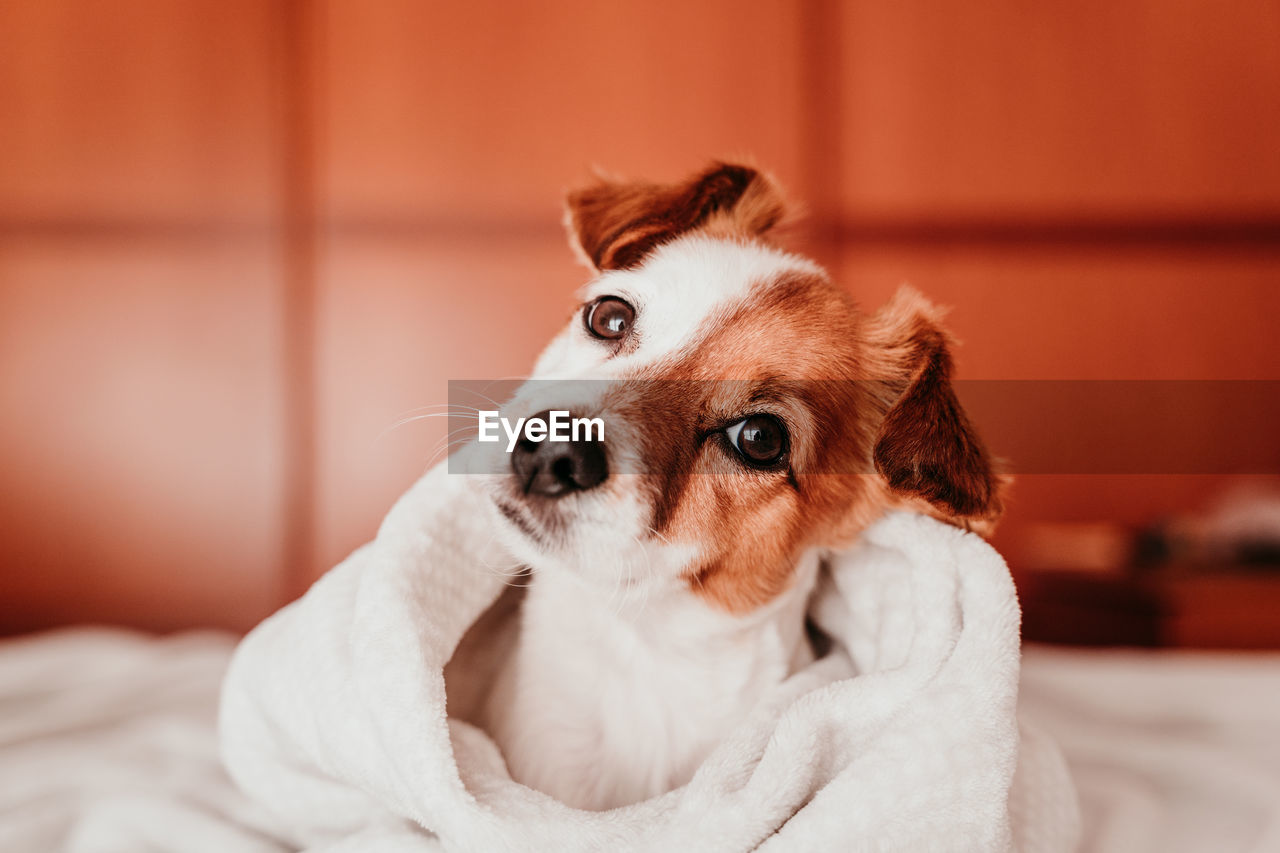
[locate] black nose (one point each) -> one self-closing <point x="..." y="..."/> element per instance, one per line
<point x="556" y="468"/>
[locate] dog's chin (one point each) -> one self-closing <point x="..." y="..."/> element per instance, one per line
<point x="588" y="550"/>
<point x="520" y="531"/>
<point x="538" y="532"/>
<point x="599" y="538"/>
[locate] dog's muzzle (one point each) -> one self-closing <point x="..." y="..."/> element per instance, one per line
<point x="557" y="468"/>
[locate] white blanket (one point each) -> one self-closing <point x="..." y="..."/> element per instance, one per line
<point x="334" y="712"/>
<point x="107" y="744"/>
<point x="1171" y="751"/>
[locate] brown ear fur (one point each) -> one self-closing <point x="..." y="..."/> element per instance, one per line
<point x="927" y="448"/>
<point x="615" y="224"/>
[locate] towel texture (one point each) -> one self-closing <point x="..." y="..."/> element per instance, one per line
<point x="336" y="712"/>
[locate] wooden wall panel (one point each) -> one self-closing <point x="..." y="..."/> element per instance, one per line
<point x="398" y="319"/>
<point x="1068" y="109"/>
<point x="1089" y="313"/>
<point x="485" y="111"/>
<point x="136" y="111"/>
<point x="140" y="313"/>
<point x="139" y="448"/>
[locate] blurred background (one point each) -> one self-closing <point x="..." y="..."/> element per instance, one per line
<point x="241" y="239"/>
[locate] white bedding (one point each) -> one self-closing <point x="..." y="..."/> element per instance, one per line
<point x="1170" y="751"/>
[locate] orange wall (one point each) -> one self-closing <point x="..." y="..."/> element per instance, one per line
<point x="240" y="240"/>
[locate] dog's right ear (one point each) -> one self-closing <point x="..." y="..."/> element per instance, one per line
<point x="615" y="224"/>
<point x="926" y="448"/>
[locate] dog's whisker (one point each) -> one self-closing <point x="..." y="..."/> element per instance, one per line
<point x="615" y="599"/>
<point x="447" y="445"/>
<point x="650" y="576"/>
<point x="446" y="449"/>
<point x="514" y="570"/>
<point x="457" y="406"/>
<point x="697" y="578"/>
<point x="403" y="421"/>
<point x="629" y="589"/>
<point x="454" y="432"/>
<point x="625" y="588"/>
<point x="486" y="398"/>
<point x="509" y="574"/>
<point x="428" y="415"/>
<point x="493" y="382"/>
<point x="652" y="531"/>
<point x="448" y="412"/>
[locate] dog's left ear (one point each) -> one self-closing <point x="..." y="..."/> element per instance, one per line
<point x="926" y="447"/>
<point x="614" y="224"/>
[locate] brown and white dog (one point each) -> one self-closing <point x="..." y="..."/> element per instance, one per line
<point x="756" y="420"/>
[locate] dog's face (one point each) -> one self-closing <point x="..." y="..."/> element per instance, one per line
<point x="750" y="410"/>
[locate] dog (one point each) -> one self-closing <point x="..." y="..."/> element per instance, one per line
<point x="756" y="420"/>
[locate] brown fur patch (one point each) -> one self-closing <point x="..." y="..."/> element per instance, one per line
<point x="859" y="396"/>
<point x="775" y="353"/>
<point x="615" y="224"/>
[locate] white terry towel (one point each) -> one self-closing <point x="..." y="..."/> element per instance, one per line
<point x="905" y="737"/>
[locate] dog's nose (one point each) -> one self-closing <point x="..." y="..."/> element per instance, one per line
<point x="556" y="468"/>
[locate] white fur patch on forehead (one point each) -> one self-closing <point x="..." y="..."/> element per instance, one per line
<point x="688" y="283"/>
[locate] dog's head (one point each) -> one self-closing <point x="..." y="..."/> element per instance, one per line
<point x="751" y="411"/>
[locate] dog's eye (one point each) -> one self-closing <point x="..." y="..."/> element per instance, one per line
<point x="759" y="439"/>
<point x="609" y="318"/>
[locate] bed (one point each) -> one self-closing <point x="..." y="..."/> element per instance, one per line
<point x="105" y="734"/>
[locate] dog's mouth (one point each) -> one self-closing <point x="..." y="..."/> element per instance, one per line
<point x="534" y="525"/>
<point x="517" y="518"/>
<point x="540" y="523"/>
